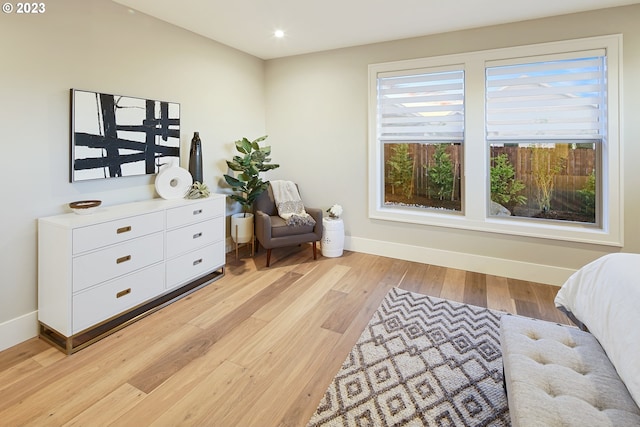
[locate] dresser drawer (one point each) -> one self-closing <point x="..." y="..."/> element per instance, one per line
<point x="194" y="236"/>
<point x="114" y="261"/>
<point x="108" y="233"/>
<point x="184" y="215"/>
<point x="194" y="264"/>
<point x="109" y="299"/>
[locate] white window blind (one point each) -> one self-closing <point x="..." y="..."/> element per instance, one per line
<point x="425" y="107"/>
<point x="551" y="100"/>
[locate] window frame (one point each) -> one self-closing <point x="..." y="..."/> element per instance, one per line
<point x="475" y="186"/>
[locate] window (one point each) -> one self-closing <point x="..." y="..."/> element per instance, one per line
<point x="421" y="129"/>
<point x="545" y="125"/>
<point x="537" y="126"/>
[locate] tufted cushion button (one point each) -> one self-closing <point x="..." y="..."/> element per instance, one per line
<point x="532" y="335"/>
<point x="598" y="405"/>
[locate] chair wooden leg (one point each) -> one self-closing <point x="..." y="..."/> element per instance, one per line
<point x="315" y="256"/>
<point x="268" y="257"/>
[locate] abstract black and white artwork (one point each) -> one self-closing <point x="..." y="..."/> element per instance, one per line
<point x="114" y="136"/>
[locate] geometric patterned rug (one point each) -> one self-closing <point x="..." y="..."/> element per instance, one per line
<point x="421" y="361"/>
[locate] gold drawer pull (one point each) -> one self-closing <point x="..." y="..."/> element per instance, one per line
<point x="123" y="259"/>
<point x="195" y="236"/>
<point x="123" y="229"/>
<point x="196" y="262"/>
<point x="197" y="212"/>
<point x="123" y="293"/>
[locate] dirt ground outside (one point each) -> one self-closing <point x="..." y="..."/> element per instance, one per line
<point x="456" y="206"/>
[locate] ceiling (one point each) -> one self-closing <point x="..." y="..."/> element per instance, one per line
<point x="312" y="26"/>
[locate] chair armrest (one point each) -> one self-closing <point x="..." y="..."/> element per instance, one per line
<point x="263" y="227"/>
<point x="316" y="214"/>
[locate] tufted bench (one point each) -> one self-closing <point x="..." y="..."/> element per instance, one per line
<point x="560" y="376"/>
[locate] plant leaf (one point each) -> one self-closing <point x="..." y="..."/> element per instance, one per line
<point x="233" y="182"/>
<point x="235" y="166"/>
<point x="269" y="167"/>
<point x="243" y="145"/>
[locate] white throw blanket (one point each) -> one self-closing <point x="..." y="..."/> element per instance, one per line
<point x="289" y="205"/>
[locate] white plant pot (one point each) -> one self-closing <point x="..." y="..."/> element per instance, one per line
<point x="242" y="227"/>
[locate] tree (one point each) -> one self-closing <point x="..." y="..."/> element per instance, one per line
<point x="546" y="164"/>
<point x="440" y="175"/>
<point x="401" y="170"/>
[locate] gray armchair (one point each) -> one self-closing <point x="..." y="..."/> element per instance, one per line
<point x="273" y="232"/>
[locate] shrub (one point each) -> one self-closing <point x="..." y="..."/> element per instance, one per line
<point x="505" y="188"/>
<point x="588" y="194"/>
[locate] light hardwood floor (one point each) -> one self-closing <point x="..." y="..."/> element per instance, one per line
<point x="255" y="348"/>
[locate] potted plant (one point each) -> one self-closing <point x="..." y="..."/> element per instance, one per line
<point x="247" y="184"/>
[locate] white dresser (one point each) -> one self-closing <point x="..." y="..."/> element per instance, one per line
<point x="99" y="272"/>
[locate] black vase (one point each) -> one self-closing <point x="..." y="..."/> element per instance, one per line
<point x="195" y="158"/>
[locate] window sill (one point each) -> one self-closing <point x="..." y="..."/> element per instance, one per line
<point x="572" y="232"/>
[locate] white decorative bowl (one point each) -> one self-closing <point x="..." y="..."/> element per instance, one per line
<point x="85" y="207"/>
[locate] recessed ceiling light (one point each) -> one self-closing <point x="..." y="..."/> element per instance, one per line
<point x="279" y="34"/>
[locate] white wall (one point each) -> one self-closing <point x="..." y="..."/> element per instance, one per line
<point x="317" y="113"/>
<point x="100" y="46"/>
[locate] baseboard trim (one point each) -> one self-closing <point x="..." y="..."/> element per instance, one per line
<point x="477" y="263"/>
<point x="17" y="330"/>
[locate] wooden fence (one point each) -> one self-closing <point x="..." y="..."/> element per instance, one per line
<point x="576" y="166"/>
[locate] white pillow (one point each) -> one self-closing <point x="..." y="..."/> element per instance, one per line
<point x="605" y="296"/>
